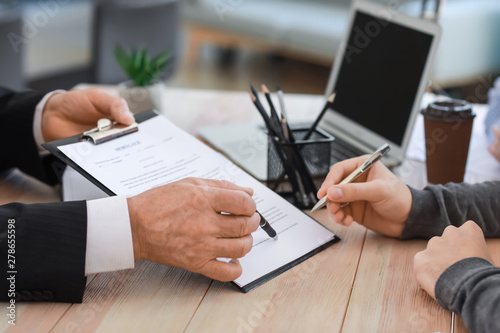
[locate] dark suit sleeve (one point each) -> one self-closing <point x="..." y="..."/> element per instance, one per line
<point x="18" y="147"/>
<point x="47" y="243"/>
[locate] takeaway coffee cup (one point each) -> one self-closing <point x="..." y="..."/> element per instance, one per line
<point x="448" y="126"/>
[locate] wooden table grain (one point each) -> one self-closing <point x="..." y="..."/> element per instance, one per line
<point x="364" y="283"/>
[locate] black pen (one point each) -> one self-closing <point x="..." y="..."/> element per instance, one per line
<point x="267" y="227"/>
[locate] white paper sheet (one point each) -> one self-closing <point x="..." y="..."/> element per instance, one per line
<point x="160" y="153"/>
<point x="77" y="187"/>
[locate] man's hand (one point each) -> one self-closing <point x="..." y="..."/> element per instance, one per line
<point x="494" y="148"/>
<point x="454" y="245"/>
<point x="377" y="199"/>
<point x="181" y="225"/>
<point x="76" y="111"/>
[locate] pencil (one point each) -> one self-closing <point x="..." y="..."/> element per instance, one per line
<point x="264" y="114"/>
<point x="306" y="182"/>
<point x="298" y="189"/>
<point x="274" y="116"/>
<point x="293" y="163"/>
<point x="281" y="99"/>
<point x="284" y="114"/>
<point x="328" y="104"/>
<point x="284" y="127"/>
<point x="254" y="91"/>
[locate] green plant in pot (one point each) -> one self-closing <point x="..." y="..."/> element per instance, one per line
<point x="143" y="91"/>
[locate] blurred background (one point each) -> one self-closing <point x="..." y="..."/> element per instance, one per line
<point x="225" y="44"/>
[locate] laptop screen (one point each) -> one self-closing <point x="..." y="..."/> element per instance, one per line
<point x="380" y="74"/>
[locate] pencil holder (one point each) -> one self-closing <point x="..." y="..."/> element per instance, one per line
<point x="315" y="153"/>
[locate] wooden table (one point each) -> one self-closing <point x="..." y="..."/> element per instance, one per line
<point x="364" y="283"/>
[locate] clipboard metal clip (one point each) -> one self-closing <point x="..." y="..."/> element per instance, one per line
<point x="107" y="130"/>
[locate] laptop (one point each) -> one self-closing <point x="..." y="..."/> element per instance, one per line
<point x="380" y="74"/>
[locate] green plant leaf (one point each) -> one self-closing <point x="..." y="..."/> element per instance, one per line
<point x="139" y="67"/>
<point x="122" y="58"/>
<point x="145" y="58"/>
<point x="162" y="57"/>
<point x="138" y="60"/>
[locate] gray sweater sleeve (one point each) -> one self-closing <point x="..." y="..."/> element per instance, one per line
<point x="471" y="287"/>
<point x="439" y="206"/>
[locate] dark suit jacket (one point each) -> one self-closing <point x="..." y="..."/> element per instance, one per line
<point x="46" y="242"/>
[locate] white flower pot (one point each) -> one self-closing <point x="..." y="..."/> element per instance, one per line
<point x="142" y="98"/>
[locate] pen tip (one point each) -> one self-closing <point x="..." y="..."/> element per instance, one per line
<point x="275" y="237"/>
<point x="264" y="89"/>
<point x="319" y="204"/>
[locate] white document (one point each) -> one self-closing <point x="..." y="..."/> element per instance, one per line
<point x="76" y="187"/>
<point x="160" y="153"/>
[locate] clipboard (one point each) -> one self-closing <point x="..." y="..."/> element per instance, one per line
<point x="146" y="115"/>
<point x="108" y="135"/>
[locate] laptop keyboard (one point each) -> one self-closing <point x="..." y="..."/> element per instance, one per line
<point x="341" y="150"/>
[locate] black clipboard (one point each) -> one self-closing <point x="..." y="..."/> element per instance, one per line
<point x="269" y="276"/>
<point x="52" y="147"/>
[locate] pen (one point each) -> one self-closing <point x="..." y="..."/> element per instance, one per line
<point x="377" y="155"/>
<point x="267" y="227"/>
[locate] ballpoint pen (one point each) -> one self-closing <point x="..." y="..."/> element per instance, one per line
<point x="377" y="155"/>
<point x="267" y="227"/>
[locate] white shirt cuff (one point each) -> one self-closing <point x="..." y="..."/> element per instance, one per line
<point x="37" y="119"/>
<point x="109" y="236"/>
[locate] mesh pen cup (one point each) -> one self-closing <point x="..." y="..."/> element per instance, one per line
<point x="315" y="151"/>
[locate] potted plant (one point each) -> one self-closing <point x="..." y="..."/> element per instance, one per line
<point x="143" y="91"/>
